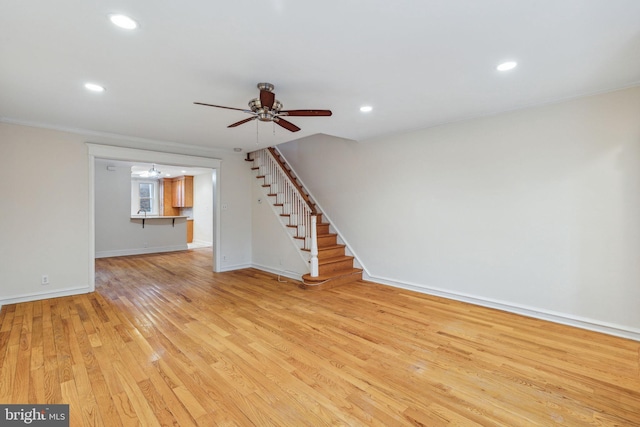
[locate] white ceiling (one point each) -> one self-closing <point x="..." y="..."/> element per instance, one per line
<point x="419" y="63"/>
<point x="166" y="170"/>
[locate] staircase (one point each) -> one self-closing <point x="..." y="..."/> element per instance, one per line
<point x="329" y="264"/>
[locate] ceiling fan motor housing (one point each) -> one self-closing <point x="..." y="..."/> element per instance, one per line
<point x="266" y="86"/>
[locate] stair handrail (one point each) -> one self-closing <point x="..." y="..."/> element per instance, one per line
<point x="294" y="201"/>
<point x="276" y="157"/>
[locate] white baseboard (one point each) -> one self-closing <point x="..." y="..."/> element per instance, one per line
<point x="141" y="251"/>
<point x="225" y="268"/>
<point x="537" y="313"/>
<point x="45" y="295"/>
<point x="285" y="273"/>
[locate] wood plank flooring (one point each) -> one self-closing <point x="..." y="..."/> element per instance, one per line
<point x="165" y="342"/>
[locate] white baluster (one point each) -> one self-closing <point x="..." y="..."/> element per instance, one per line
<point x="314" y="247"/>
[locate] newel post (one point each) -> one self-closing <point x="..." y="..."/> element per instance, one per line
<point x="314" y="247"/>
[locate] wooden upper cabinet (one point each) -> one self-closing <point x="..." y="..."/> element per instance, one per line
<point x="182" y="192"/>
<point x="167" y="198"/>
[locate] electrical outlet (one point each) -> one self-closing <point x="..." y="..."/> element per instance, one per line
<point x="44" y="280"/>
<point x="224" y="257"/>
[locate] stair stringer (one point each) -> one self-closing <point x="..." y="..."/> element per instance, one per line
<point x="326" y="218"/>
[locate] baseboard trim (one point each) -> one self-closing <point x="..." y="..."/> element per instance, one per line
<point x="537" y="313"/>
<point x="45" y="295"/>
<point x="286" y="273"/>
<point x="234" y="267"/>
<point x="141" y="251"/>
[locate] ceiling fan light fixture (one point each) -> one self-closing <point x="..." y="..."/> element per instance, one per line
<point x="265" y="116"/>
<point x="123" y="21"/>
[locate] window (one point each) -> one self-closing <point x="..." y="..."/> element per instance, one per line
<point x="146" y="191"/>
<point x="144" y="197"/>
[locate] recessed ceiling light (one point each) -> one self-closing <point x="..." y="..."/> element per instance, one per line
<point x="506" y="66"/>
<point x="366" y="108"/>
<point x="183" y="171"/>
<point x="123" y="21"/>
<point x="94" y="87"/>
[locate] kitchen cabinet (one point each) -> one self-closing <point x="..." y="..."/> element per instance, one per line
<point x="189" y="231"/>
<point x="167" y="198"/>
<point x="182" y="189"/>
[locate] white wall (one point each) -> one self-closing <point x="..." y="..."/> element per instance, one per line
<point x="235" y="182"/>
<point x="44" y="226"/>
<point x="44" y="222"/>
<point x="116" y="233"/>
<point x="535" y="211"/>
<point x="203" y="209"/>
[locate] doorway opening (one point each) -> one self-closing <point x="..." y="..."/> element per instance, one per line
<point x="209" y="214"/>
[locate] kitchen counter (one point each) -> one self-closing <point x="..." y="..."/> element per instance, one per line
<point x="155" y="217"/>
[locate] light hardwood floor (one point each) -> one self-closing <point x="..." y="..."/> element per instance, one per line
<point x="164" y="341"/>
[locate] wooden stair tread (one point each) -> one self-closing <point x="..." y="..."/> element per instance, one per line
<point x="323" y="261"/>
<point x="333" y="274"/>
<point x="327" y="248"/>
<point x="331" y="280"/>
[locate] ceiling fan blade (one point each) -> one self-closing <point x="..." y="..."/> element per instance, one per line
<point x="267" y="98"/>
<point x="242" y="122"/>
<point x="285" y="124"/>
<point x="306" y="113"/>
<point x="221" y="106"/>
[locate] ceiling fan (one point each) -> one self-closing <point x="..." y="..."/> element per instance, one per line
<point x="267" y="108"/>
